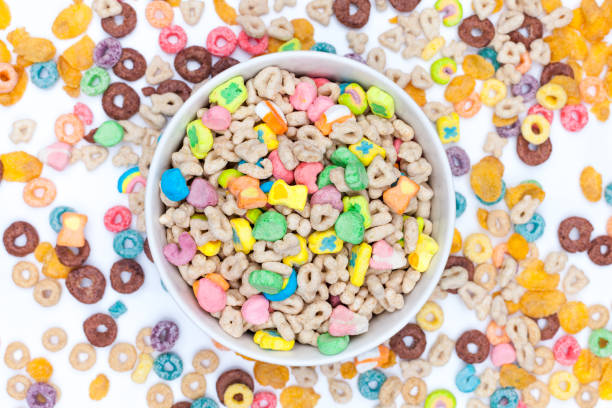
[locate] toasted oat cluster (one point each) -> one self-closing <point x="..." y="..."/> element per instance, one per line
<point x="298" y="208"/>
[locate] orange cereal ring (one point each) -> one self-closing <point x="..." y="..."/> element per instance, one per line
<point x="498" y="254"/>
<point x="159" y="14"/>
<point x="69" y="129"/>
<point x="525" y="63"/>
<point x="497" y="334"/>
<point x="8" y="77"/>
<point x="39" y="192"/>
<point x="468" y="107"/>
<point x="609" y="226"/>
<point x="592" y="90"/>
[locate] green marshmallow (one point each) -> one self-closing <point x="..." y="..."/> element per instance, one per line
<point x="227" y="175"/>
<point x="355" y="175"/>
<point x="253" y="214"/>
<point x="323" y="178"/>
<point x="270" y="226"/>
<point x="330" y="345"/>
<point x="343" y="156"/>
<point x="381" y="103"/>
<point x="292" y="45"/>
<point x="266" y="281"/>
<point x="358" y="203"/>
<point x="109" y="134"/>
<point x="349" y="227"/>
<point x="230" y="94"/>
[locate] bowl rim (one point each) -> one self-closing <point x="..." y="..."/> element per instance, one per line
<point x="159" y="162"/>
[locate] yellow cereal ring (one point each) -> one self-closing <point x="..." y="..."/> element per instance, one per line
<point x="563" y="385"/>
<point x="493" y="91"/>
<point x="552" y="96"/>
<point x="477" y="248"/>
<point x="535" y="129"/>
<point x="430" y="317"/>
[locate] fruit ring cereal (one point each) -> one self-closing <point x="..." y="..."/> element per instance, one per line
<point x="359" y="18"/>
<point x="476" y="32"/>
<point x="128" y="22"/>
<point x="574" y="117"/>
<point x="221" y="42"/>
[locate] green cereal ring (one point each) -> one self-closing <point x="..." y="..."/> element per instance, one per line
<point x="109" y="134"/>
<point x="266" y="281"/>
<point x="600" y="343"/>
<point x="95" y="81"/>
<point x="442" y="70"/>
<point x="330" y="345"/>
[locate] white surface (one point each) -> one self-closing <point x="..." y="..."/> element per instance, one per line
<point x="23" y="319"/>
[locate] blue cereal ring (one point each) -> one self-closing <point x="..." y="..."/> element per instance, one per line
<point x="44" y="74"/>
<point x="117" y="309"/>
<point x="168" y="366"/>
<point x="323" y="47"/>
<point x="532" y="229"/>
<point x="504" y="398"/>
<point x="369" y="383"/>
<point x="133" y="238"/>
<point x="55" y="217"/>
<point x="491" y="55"/>
<point x="460" y="204"/>
<point x="608" y="194"/>
<point x="466" y="380"/>
<point x="204" y="402"/>
<point x="288" y="289"/>
<point x="498" y="199"/>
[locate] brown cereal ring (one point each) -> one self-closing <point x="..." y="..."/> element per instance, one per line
<point x="18" y="277"/>
<point x="182" y="404"/>
<point x="534" y="28"/>
<point x="236" y="376"/>
<point x="533" y="155"/>
<point x="342" y="10"/>
<point x="128" y="22"/>
<point x="407" y="390"/>
<point x="96" y="284"/>
<point x="472" y="337"/>
<point x="96" y="337"/>
<point x="600" y="250"/>
<point x="130" y="105"/>
<point x="47" y="292"/>
<point x="14" y="231"/>
<point x="175" y="86"/>
<point x="404" y="5"/>
<point x="141" y="344"/>
<point x="584" y="228"/>
<point x="136" y="276"/>
<point x="139" y="65"/>
<point x="148" y="91"/>
<point x="16" y="363"/>
<point x="187" y="385"/>
<point x="553" y="69"/>
<point x="54" y="339"/>
<point x="147" y="248"/>
<point x="160" y="390"/>
<point x="419" y="341"/>
<point x="17" y="386"/>
<point x="223" y="64"/>
<point x="208" y="356"/>
<point x="462" y="261"/>
<point x="551" y="326"/>
<point x="476" y="32"/>
<point x="193" y="53"/>
<point x="75" y="356"/>
<point x="122" y="357"/>
<point x="90" y="135"/>
<point x="68" y="258"/>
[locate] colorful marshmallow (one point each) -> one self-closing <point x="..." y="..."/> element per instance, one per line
<point x="448" y="128"/>
<point x="354" y="97"/>
<point x="230" y="94"/>
<point x="359" y="263"/>
<point x="200" y="138"/>
<point x="332" y="115"/>
<point x="242" y="235"/>
<point x="272" y="116"/>
<point x="386" y="257"/>
<point x="324" y="242"/>
<point x="366" y="150"/>
<point x="293" y="197"/>
<point x="380" y="102"/>
<point x="398" y="197"/>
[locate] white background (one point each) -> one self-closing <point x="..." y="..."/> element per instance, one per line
<point x="21" y="318"/>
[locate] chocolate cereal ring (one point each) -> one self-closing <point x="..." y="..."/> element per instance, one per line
<point x="551" y="326"/>
<point x="230" y="377"/>
<point x="131" y="101"/>
<point x="97" y="337"/>
<point x="342" y="10"/>
<point x="197" y="54"/>
<point x="533" y="155"/>
<point x="175" y="86"/>
<point x="182" y="404"/>
<point x="462" y="261"/>
<point x="136" y="276"/>
<point x="419" y="341"/>
<point x="68" y="258"/>
<point x="14" y="231"/>
<point x="476" y="32"/>
<point x="534" y="29"/>
<point x="554" y="69"/>
<point x="600" y="250"/>
<point x="90" y="276"/>
<point x="223" y="64"/>
<point x="126" y="26"/>
<point x="404" y="5"/>
<point x="477" y="338"/>
<point x="139" y="65"/>
<point x="147" y="250"/>
<point x="90" y="135"/>
<point x="584" y="228"/>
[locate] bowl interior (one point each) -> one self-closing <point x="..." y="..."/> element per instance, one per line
<point x="314" y="64"/>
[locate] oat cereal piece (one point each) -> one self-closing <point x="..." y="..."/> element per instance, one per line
<point x="54" y="339"/>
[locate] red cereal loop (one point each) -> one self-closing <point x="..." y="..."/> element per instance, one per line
<point x="574" y="117"/>
<point x="83" y="112"/>
<point x="117" y="218"/>
<point x="566" y="350"/>
<point x="254" y="46"/>
<point x="538" y="109"/>
<point x="172" y="39"/>
<point x="221" y="41"/>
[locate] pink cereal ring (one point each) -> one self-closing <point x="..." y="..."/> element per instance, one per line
<point x="221" y="41"/>
<point x="264" y="399"/>
<point x="117" y="218"/>
<point x="574" y="117"/>
<point x="8" y="78"/>
<point x="159" y="13"/>
<point x="217" y="118"/>
<point x="278" y="168"/>
<point x="172" y="39"/>
<point x="538" y="109"/>
<point x="319" y="82"/>
<point x="69" y="128"/>
<point x="56" y="156"/>
<point x="211" y="297"/>
<point x="306" y="174"/>
<point x="502" y="354"/>
<point x="254" y="46"/>
<point x="318" y="107"/>
<point x="303" y="96"/>
<point x="566" y="350"/>
<point x="255" y="310"/>
<point x="182" y="253"/>
<point x="83" y="112"/>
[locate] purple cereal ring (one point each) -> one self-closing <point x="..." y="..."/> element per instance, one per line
<point x="107" y="53"/>
<point x="41" y="395"/>
<point x="527" y="88"/>
<point x="164" y="335"/>
<point x="355" y="57"/>
<point x="328" y="195"/>
<point x="512" y="130"/>
<point x="182" y="253"/>
<point x="459" y="160"/>
<point x="202" y="194"/>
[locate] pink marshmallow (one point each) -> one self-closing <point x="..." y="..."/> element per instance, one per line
<point x="385" y="257"/>
<point x="57" y="155"/>
<point x="211" y="297"/>
<point x="303" y="96"/>
<point x="202" y="194"/>
<point x="278" y="169"/>
<point x="344" y="322"/>
<point x="320" y="81"/>
<point x="318" y="107"/>
<point x="503" y="354"/>
<point x="217" y="118"/>
<point x="328" y="195"/>
<point x="182" y="253"/>
<point x="255" y="310"/>
<point x="306" y="174"/>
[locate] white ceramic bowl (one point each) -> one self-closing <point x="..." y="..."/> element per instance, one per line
<point x="315" y="64"/>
